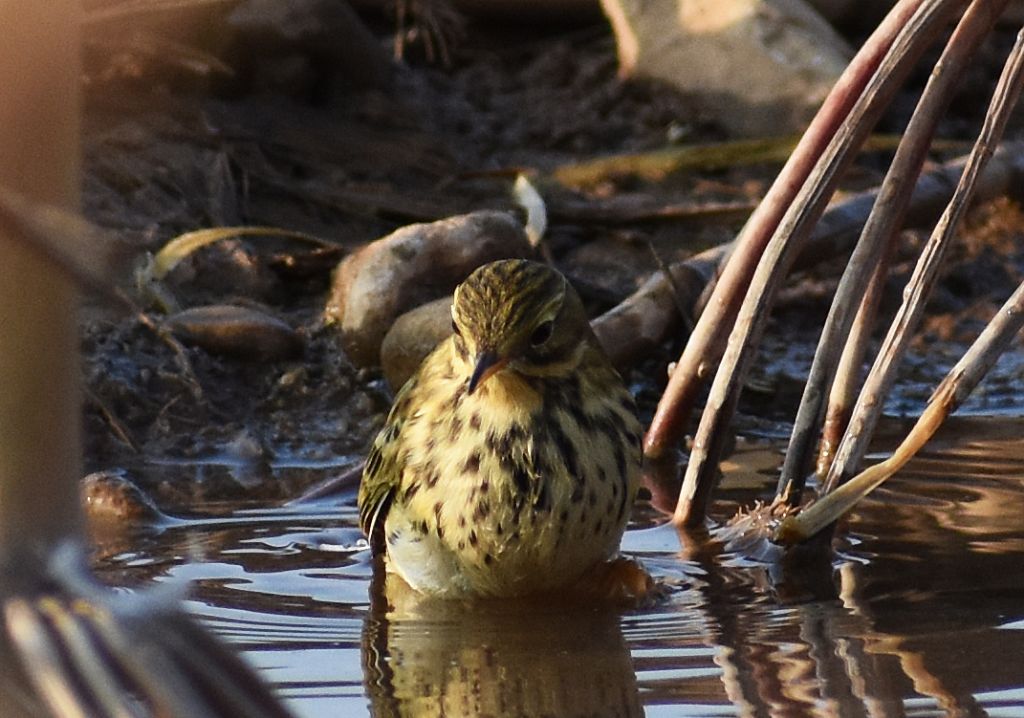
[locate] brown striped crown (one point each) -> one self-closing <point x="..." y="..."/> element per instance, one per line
<point x="522" y="312"/>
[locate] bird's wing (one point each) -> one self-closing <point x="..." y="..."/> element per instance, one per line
<point x="383" y="471"/>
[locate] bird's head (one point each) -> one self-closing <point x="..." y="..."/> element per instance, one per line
<point x="519" y="315"/>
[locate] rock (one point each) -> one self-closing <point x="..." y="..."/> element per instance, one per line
<point x="548" y="11"/>
<point x="239" y="332"/>
<point x="756" y="67"/>
<point x="111" y="498"/>
<point x="411" y="266"/>
<point x="412" y="337"/>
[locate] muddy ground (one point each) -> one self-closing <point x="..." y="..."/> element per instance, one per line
<point x="284" y="139"/>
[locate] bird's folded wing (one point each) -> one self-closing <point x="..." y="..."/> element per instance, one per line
<point x="382" y="472"/>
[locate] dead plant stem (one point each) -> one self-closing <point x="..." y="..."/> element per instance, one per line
<point x="880" y="231"/>
<point x="869" y="404"/>
<point x="708" y="338"/>
<point x="786" y="242"/>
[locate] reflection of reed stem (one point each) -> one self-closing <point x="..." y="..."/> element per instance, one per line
<point x="873" y="682"/>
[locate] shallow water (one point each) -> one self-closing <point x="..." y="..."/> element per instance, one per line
<point x="919" y="611"/>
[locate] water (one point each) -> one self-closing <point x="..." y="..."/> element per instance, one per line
<point x="919" y="611"/>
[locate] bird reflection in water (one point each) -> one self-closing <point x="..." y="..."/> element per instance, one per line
<point x="523" y="657"/>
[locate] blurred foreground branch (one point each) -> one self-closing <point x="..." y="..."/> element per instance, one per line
<point x="68" y="647"/>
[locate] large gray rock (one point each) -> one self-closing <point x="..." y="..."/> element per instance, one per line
<point x="757" y="67"/>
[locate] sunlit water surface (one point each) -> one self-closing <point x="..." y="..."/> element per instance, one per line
<point x="918" y="612"/>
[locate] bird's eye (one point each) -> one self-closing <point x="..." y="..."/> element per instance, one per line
<point x="455" y="329"/>
<point x="542" y="333"/>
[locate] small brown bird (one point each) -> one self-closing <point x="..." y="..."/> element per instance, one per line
<point x="510" y="460"/>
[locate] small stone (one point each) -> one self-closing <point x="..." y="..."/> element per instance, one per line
<point x="361" y="405"/>
<point x="239" y="332"/>
<point x="245" y="448"/>
<point x="412" y="337"/>
<point x="292" y="378"/>
<point x="327" y="32"/>
<point x="110" y="498"/>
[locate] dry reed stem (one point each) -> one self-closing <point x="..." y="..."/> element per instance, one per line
<point x="707" y="340"/>
<point x="69" y="644"/>
<point x="957" y="385"/>
<point x="868" y="262"/>
<point x="39" y="404"/>
<point x="648" y="317"/>
<point x="786" y="242"/>
<point x="83" y="648"/>
<point x="869" y="405"/>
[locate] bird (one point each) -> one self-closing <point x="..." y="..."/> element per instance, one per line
<point x="510" y="460"/>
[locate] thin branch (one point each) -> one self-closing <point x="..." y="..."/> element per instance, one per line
<point x="120" y="430"/>
<point x="164" y="335"/>
<point x="869" y="405"/>
<point x="684" y="308"/>
<point x="345" y="482"/>
<point x="707" y="340"/>
<point x="786" y="242"/>
<point x="956" y="387"/>
<point x="880" y="232"/>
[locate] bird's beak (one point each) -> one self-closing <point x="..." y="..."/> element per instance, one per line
<point x="487" y="364"/>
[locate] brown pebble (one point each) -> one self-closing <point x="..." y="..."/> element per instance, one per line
<point x="238" y="332"/>
<point x="414" y="335"/>
<point x="109" y="497"/>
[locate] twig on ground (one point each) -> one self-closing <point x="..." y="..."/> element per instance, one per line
<point x="631" y="210"/>
<point x="655" y="165"/>
<point x="119" y="429"/>
<point x="164" y="335"/>
<point x="346" y="481"/>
